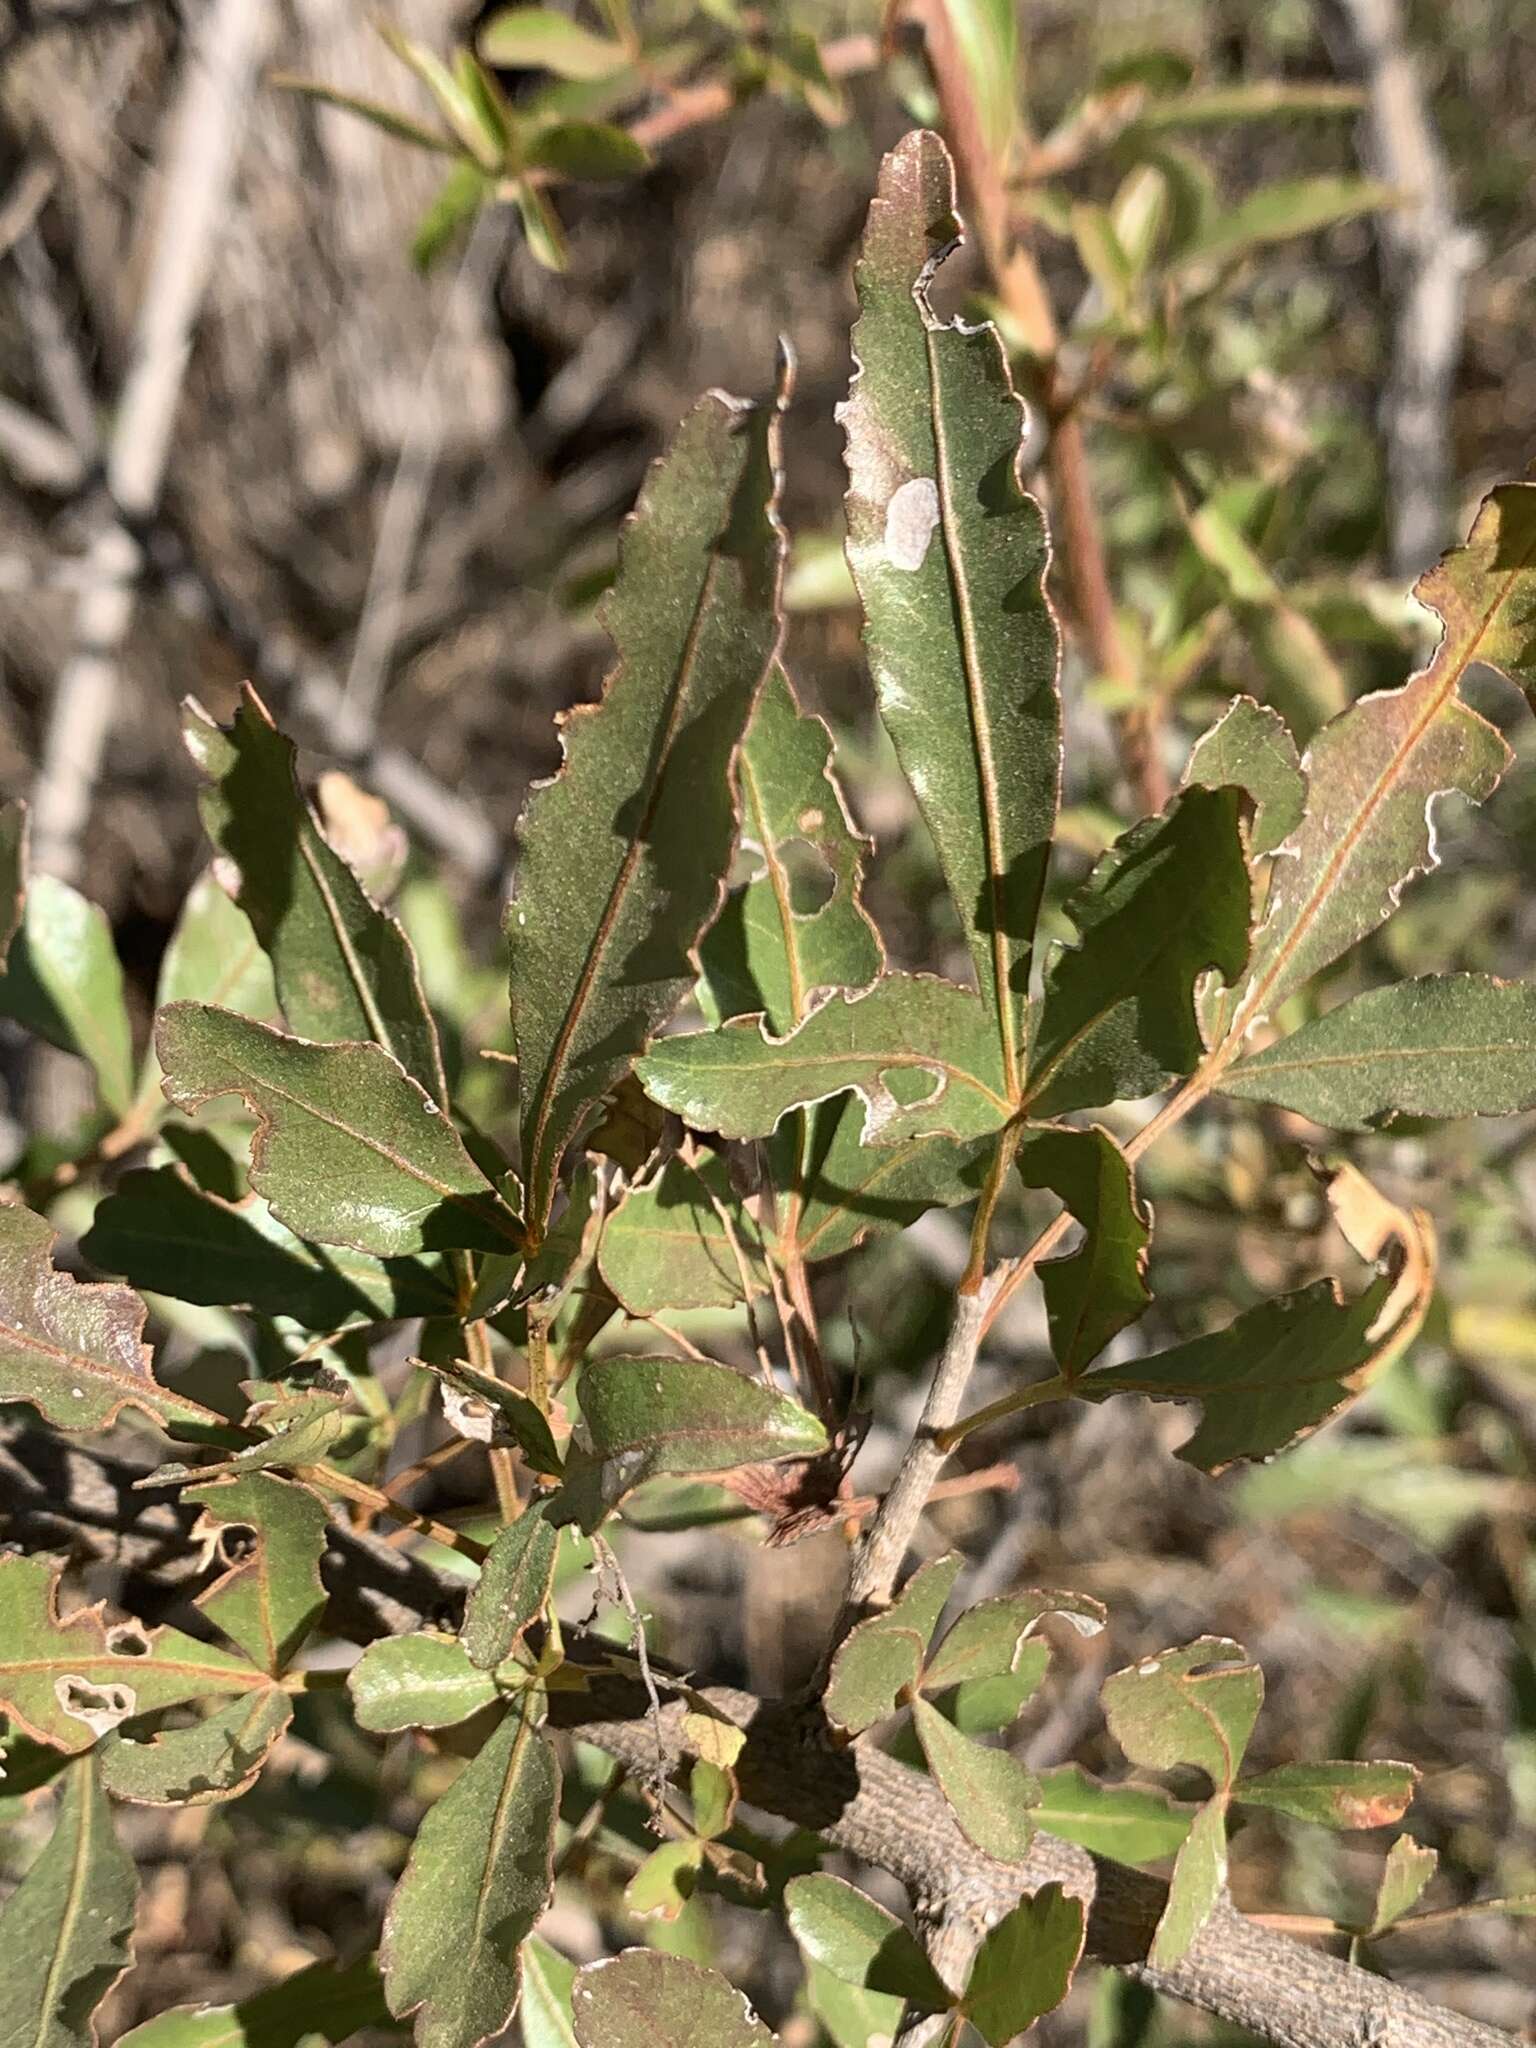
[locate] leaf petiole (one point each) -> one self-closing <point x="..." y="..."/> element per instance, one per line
<point x="1056" y="1388"/>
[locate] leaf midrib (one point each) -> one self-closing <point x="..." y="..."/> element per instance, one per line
<point x="142" y="1388"/>
<point x="1252" y="1006"/>
<point x="981" y="730"/>
<point x="1264" y="1067"/>
<point x="80" y="1870"/>
<point x="550" y="1082"/>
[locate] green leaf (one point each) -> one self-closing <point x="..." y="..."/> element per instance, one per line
<point x="514" y="1584"/>
<point x="1195" y="1705"/>
<point x="949" y="554"/>
<point x="297" y="1426"/>
<point x="14" y="835"/>
<point x="62" y="980"/>
<point x="852" y="2018"/>
<point x="389" y="119"/>
<point x="417" y="1681"/>
<point x="478" y="1879"/>
<point x="1250" y="748"/>
<point x="622" y="853"/>
<point x="1128" y="1823"/>
<point x="646" y="1416"/>
<point x="271" y="1596"/>
<point x="712" y="1793"/>
<point x="1100" y="1289"/>
<point x="495" y="112"/>
<point x="1024" y="1967"/>
<point x="872" y="1668"/>
<point x="1276" y="1373"/>
<point x="478" y="1405"/>
<point x="1287" y="647"/>
<point x="798" y="926"/>
<point x="1375" y="772"/>
<point x="1260" y="99"/>
<point x="665" y="1881"/>
<point x="323" y="2001"/>
<point x="1199" y="1874"/>
<point x="1341" y="1795"/>
<point x="883" y="1654"/>
<point x="349" y="1148"/>
<point x="849" y="1191"/>
<point x="1448" y="1045"/>
<point x="344" y="968"/>
<point x="68" y="1682"/>
<point x="988" y="1640"/>
<point x="839" y="1927"/>
<point x="74" y="1350"/>
<point x="539" y="39"/>
<point x="586" y="149"/>
<point x="663" y="2001"/>
<point x="796" y="62"/>
<point x="1170" y="899"/>
<point x="214" y="956"/>
<point x="1406" y="1872"/>
<point x="1279" y="212"/>
<point x="987" y="32"/>
<point x="920" y="1053"/>
<point x="454" y="205"/>
<point x="546" y="2009"/>
<point x="987" y="1706"/>
<point x="989" y="1792"/>
<point x="541" y="225"/>
<point x="666" y="1245"/>
<point x="461" y="110"/>
<point x="164" y="1233"/>
<point x="215" y="1759"/>
<point x="66" y="1930"/>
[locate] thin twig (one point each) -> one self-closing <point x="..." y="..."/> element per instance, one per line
<point x="219" y="71"/>
<point x="1427" y="257"/>
<point x="405" y="502"/>
<point x="60" y="1497"/>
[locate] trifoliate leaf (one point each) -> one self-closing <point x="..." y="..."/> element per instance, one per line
<point x="69" y="1682"/>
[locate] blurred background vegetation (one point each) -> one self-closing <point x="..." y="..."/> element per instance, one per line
<point x="392" y="496"/>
